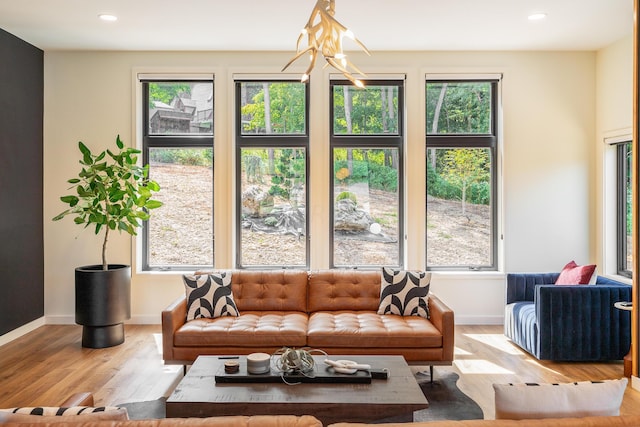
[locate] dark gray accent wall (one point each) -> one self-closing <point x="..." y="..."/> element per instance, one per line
<point x="21" y="171"/>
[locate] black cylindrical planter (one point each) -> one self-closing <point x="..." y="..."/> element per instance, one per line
<point x="103" y="303"/>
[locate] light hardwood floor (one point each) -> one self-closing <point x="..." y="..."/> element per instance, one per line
<point x="48" y="364"/>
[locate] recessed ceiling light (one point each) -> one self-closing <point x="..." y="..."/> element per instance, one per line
<point x="537" y="16"/>
<point x="108" y="17"/>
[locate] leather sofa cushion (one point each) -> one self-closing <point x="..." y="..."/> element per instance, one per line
<point x="332" y="290"/>
<point x="369" y="329"/>
<point x="222" y="421"/>
<point x="278" y="290"/>
<point x="250" y="329"/>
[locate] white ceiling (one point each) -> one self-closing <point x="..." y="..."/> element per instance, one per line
<point x="275" y="25"/>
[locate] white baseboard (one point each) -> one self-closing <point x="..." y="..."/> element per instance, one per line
<point x="145" y="320"/>
<point x="135" y="320"/>
<point x="22" y="330"/>
<point x="61" y="319"/>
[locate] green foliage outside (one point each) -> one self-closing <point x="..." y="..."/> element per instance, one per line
<point x="374" y="110"/>
<point x="378" y="176"/>
<point x="368" y="165"/>
<point x="286" y="108"/>
<point x="286" y="166"/>
<point x="183" y="156"/>
<point x="347" y="195"/>
<point x="165" y="92"/>
<point x="460" y="108"/>
<point x="445" y="185"/>
<point x="289" y="171"/>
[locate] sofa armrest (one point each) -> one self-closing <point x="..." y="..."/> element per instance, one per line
<point x="78" y="399"/>
<point x="581" y="323"/>
<point x="174" y="316"/>
<point x="442" y="318"/>
<point x="521" y="286"/>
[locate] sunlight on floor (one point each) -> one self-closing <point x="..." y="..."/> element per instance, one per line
<point x="478" y="366"/>
<point x="169" y="369"/>
<point x="497" y="341"/>
<point x="539" y="366"/>
<point x="460" y="352"/>
<point x="158" y="339"/>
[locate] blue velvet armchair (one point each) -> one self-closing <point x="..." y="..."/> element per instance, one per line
<point x="566" y="322"/>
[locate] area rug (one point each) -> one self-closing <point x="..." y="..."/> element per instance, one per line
<point x="446" y="402"/>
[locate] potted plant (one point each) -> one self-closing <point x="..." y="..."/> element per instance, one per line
<point x="112" y="193"/>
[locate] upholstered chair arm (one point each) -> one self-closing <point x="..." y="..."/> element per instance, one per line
<point x="581" y="323"/>
<point x="521" y="286"/>
<point x="174" y="316"/>
<point x="443" y="319"/>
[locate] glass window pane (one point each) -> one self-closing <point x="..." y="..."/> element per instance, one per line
<point x="628" y="243"/>
<point x="273" y="108"/>
<point x="459" y="208"/>
<point x="372" y="110"/>
<point x="366" y="207"/>
<point x="459" y="108"/>
<point x="180" y="108"/>
<point x="181" y="232"/>
<point x="273" y="188"/>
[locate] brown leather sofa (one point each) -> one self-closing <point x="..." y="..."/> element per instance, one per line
<point x="308" y="421"/>
<point x="331" y="310"/>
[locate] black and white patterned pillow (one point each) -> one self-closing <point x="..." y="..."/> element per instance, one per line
<point x="55" y="414"/>
<point x="59" y="410"/>
<point x="404" y="293"/>
<point x="209" y="295"/>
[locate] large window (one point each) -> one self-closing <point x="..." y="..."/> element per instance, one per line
<point x="272" y="169"/>
<point x="366" y="187"/>
<point x="624" y="217"/>
<point x="178" y="145"/>
<point x="461" y="174"/>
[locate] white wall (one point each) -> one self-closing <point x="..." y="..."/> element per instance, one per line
<point x="546" y="164"/>
<point x="614" y="112"/>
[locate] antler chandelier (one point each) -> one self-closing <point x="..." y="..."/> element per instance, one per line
<point x="324" y="34"/>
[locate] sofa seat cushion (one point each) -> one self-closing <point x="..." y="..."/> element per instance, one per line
<point x="368" y="329"/>
<point x="520" y="325"/>
<point x="250" y="329"/>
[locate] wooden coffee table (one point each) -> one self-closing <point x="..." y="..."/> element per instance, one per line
<point x="396" y="398"/>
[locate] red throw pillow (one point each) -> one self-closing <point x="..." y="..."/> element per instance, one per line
<point x="574" y="274"/>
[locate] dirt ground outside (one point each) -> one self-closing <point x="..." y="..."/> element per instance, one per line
<point x="181" y="232"/>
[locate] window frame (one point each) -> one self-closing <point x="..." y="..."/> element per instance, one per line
<point x="259" y="141"/>
<point x="470" y="141"/>
<point x="366" y="141"/>
<point x="623" y="172"/>
<point x="179" y="141"/>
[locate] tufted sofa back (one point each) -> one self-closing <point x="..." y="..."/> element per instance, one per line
<point x="270" y="290"/>
<point x="333" y="290"/>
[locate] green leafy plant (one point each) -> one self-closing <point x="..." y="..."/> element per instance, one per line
<point x="112" y="192"/>
<point x="347" y="195"/>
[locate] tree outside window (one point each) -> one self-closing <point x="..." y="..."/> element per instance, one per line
<point x="367" y="193"/>
<point x="461" y="180"/>
<point x="624" y="217"/>
<point x="272" y="174"/>
<point x="178" y="146"/>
